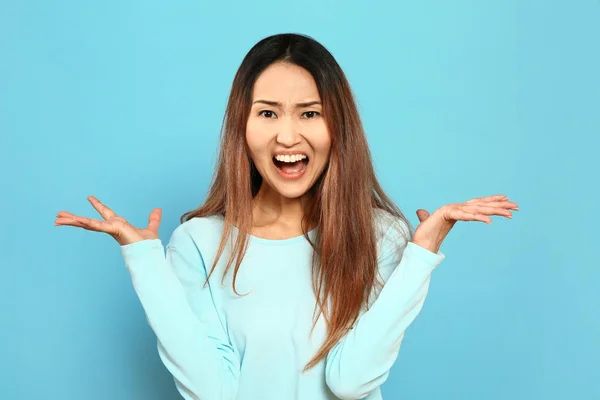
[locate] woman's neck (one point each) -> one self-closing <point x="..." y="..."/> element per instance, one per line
<point x="277" y="217"/>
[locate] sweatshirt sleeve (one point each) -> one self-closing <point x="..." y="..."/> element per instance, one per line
<point x="360" y="362"/>
<point x="191" y="341"/>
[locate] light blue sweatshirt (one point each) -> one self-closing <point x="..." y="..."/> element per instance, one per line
<point x="220" y="346"/>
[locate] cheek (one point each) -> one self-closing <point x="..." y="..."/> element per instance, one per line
<point x="256" y="139"/>
<point x="322" y="143"/>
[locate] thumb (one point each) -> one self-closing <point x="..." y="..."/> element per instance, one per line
<point x="422" y="214"/>
<point x="154" y="220"/>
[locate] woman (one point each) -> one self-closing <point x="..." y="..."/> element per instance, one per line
<point x="322" y="274"/>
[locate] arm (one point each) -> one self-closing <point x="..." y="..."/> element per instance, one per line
<point x="191" y="341"/>
<point x="361" y="361"/>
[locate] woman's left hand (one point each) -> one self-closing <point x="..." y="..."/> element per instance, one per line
<point x="434" y="228"/>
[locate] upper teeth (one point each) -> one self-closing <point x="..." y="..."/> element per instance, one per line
<point x="292" y="158"/>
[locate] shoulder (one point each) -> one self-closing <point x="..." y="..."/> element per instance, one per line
<point x="391" y="228"/>
<point x="193" y="244"/>
<point x="393" y="233"/>
<point x="197" y="232"/>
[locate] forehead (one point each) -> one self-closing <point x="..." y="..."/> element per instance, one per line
<point x="285" y="82"/>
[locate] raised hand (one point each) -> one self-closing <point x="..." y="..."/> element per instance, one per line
<point x="117" y="227"/>
<point x="434" y="228"/>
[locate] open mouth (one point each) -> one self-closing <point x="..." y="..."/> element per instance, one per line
<point x="291" y="166"/>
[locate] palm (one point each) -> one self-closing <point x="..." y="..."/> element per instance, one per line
<point x="112" y="224"/>
<point x="434" y="227"/>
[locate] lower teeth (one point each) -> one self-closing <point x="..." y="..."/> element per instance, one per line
<point x="290" y="168"/>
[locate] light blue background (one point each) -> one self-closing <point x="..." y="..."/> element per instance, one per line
<point x="124" y="100"/>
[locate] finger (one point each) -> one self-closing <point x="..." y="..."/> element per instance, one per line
<point x="462" y="215"/>
<point x="64" y="214"/>
<point x="422" y="214"/>
<point x="67" y="221"/>
<point x="154" y="220"/>
<point x="496" y="197"/>
<point x="486" y="210"/>
<point x="88" y="224"/>
<point x="510" y="205"/>
<point x="103" y="210"/>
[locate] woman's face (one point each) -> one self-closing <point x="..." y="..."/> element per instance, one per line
<point x="287" y="135"/>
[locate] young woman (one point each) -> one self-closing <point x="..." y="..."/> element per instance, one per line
<point x="298" y="276"/>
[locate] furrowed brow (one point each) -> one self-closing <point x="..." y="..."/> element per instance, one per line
<point x="278" y="104"/>
<point x="308" y="104"/>
<point x="270" y="103"/>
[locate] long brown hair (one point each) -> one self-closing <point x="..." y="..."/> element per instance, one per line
<point x="344" y="265"/>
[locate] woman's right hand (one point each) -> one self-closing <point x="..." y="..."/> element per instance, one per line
<point x="117" y="227"/>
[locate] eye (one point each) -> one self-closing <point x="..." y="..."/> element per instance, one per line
<point x="311" y="114"/>
<point x="267" y="114"/>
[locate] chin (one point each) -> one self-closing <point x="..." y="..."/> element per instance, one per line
<point x="291" y="191"/>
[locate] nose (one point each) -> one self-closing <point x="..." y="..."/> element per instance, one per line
<point x="288" y="134"/>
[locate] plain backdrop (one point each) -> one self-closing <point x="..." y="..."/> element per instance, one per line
<point x="124" y="100"/>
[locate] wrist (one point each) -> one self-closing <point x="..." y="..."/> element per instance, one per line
<point x="430" y="245"/>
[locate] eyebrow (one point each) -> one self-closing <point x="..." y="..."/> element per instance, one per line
<point x="278" y="104"/>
